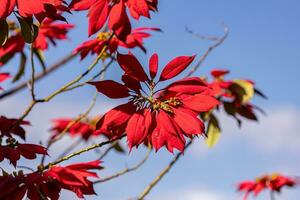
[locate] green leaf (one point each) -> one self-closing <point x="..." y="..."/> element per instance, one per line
<point x="119" y="148"/>
<point x="4" y="31"/>
<point x="28" y="29"/>
<point x="21" y="67"/>
<point x="213" y="132"/>
<point x="260" y="93"/>
<point x="40" y="57"/>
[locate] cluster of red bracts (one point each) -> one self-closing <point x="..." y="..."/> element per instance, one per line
<point x="115" y="12"/>
<point x="274" y="183"/>
<point x="134" y="39"/>
<point x="83" y="129"/>
<point x="49" y="32"/>
<point x="161" y="118"/>
<point x="47" y="184"/>
<point x="13" y="150"/>
<point x="39" y="8"/>
<point x="44" y="183"/>
<point x="230" y="95"/>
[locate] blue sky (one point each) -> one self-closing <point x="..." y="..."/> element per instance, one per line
<point x="263" y="45"/>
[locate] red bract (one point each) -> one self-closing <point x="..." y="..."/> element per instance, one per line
<point x="84" y="129"/>
<point x="7" y="127"/>
<point x="48" y="184"/>
<point x="3" y="77"/>
<point x="13" y="45"/>
<point x="162" y="118"/>
<point x="49" y="32"/>
<point x="27" y="8"/>
<point x="94" y="46"/>
<point x="14" y="150"/>
<point x="273" y="183"/>
<point x="115" y="12"/>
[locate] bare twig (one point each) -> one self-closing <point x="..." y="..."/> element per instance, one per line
<point x="70" y="148"/>
<point x="38" y="77"/>
<point x="82" y="151"/>
<point x="202" y="37"/>
<point x="127" y="170"/>
<point x="162" y="173"/>
<point x="32" y="82"/>
<point x="208" y="51"/>
<point x="61" y="134"/>
<point x="103" y="70"/>
<point x="62" y="89"/>
<point x="107" y="150"/>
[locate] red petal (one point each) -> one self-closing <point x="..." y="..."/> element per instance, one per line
<point x="6" y="7"/>
<point x="119" y="21"/>
<point x="4" y="76"/>
<point x="188" y="86"/>
<point x="153" y="65"/>
<point x="116" y="117"/>
<point x="138" y="8"/>
<point x="200" y="103"/>
<point x="190" y="124"/>
<point x="167" y="133"/>
<point x="30" y="7"/>
<point x="175" y="67"/>
<point x="132" y="67"/>
<point x="87" y="165"/>
<point x="79" y="5"/>
<point x="219" y="72"/>
<point x="131" y="83"/>
<point x="111" y="89"/>
<point x="98" y="14"/>
<point x="138" y="127"/>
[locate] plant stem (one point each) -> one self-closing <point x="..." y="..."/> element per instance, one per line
<point x="162" y="173"/>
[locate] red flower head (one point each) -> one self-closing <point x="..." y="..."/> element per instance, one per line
<point x="49" y="32"/>
<point x="115" y="12"/>
<point x="3" y="77"/>
<point x="75" y="177"/>
<point x="13" y="45"/>
<point x="84" y="128"/>
<point x="28" y="8"/>
<point x="48" y="184"/>
<point x="161" y="118"/>
<point x="273" y="183"/>
<point x="95" y="46"/>
<point x="235" y="95"/>
<point x="7" y="127"/>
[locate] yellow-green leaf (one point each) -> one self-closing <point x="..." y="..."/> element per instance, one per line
<point x="248" y="90"/>
<point x="213" y="132"/>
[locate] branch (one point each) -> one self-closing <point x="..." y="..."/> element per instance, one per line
<point x="32" y="82"/>
<point x="105" y="67"/>
<point x="163" y="173"/>
<point x="81" y="151"/>
<point x="62" y="89"/>
<point x="209" y="50"/>
<point x="38" y="77"/>
<point x="127" y="170"/>
<point x="61" y="134"/>
<point x="107" y="150"/>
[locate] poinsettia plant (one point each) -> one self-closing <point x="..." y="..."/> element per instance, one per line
<point x="161" y="109"/>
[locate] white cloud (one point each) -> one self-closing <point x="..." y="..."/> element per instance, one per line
<point x="193" y="194"/>
<point x="278" y="131"/>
